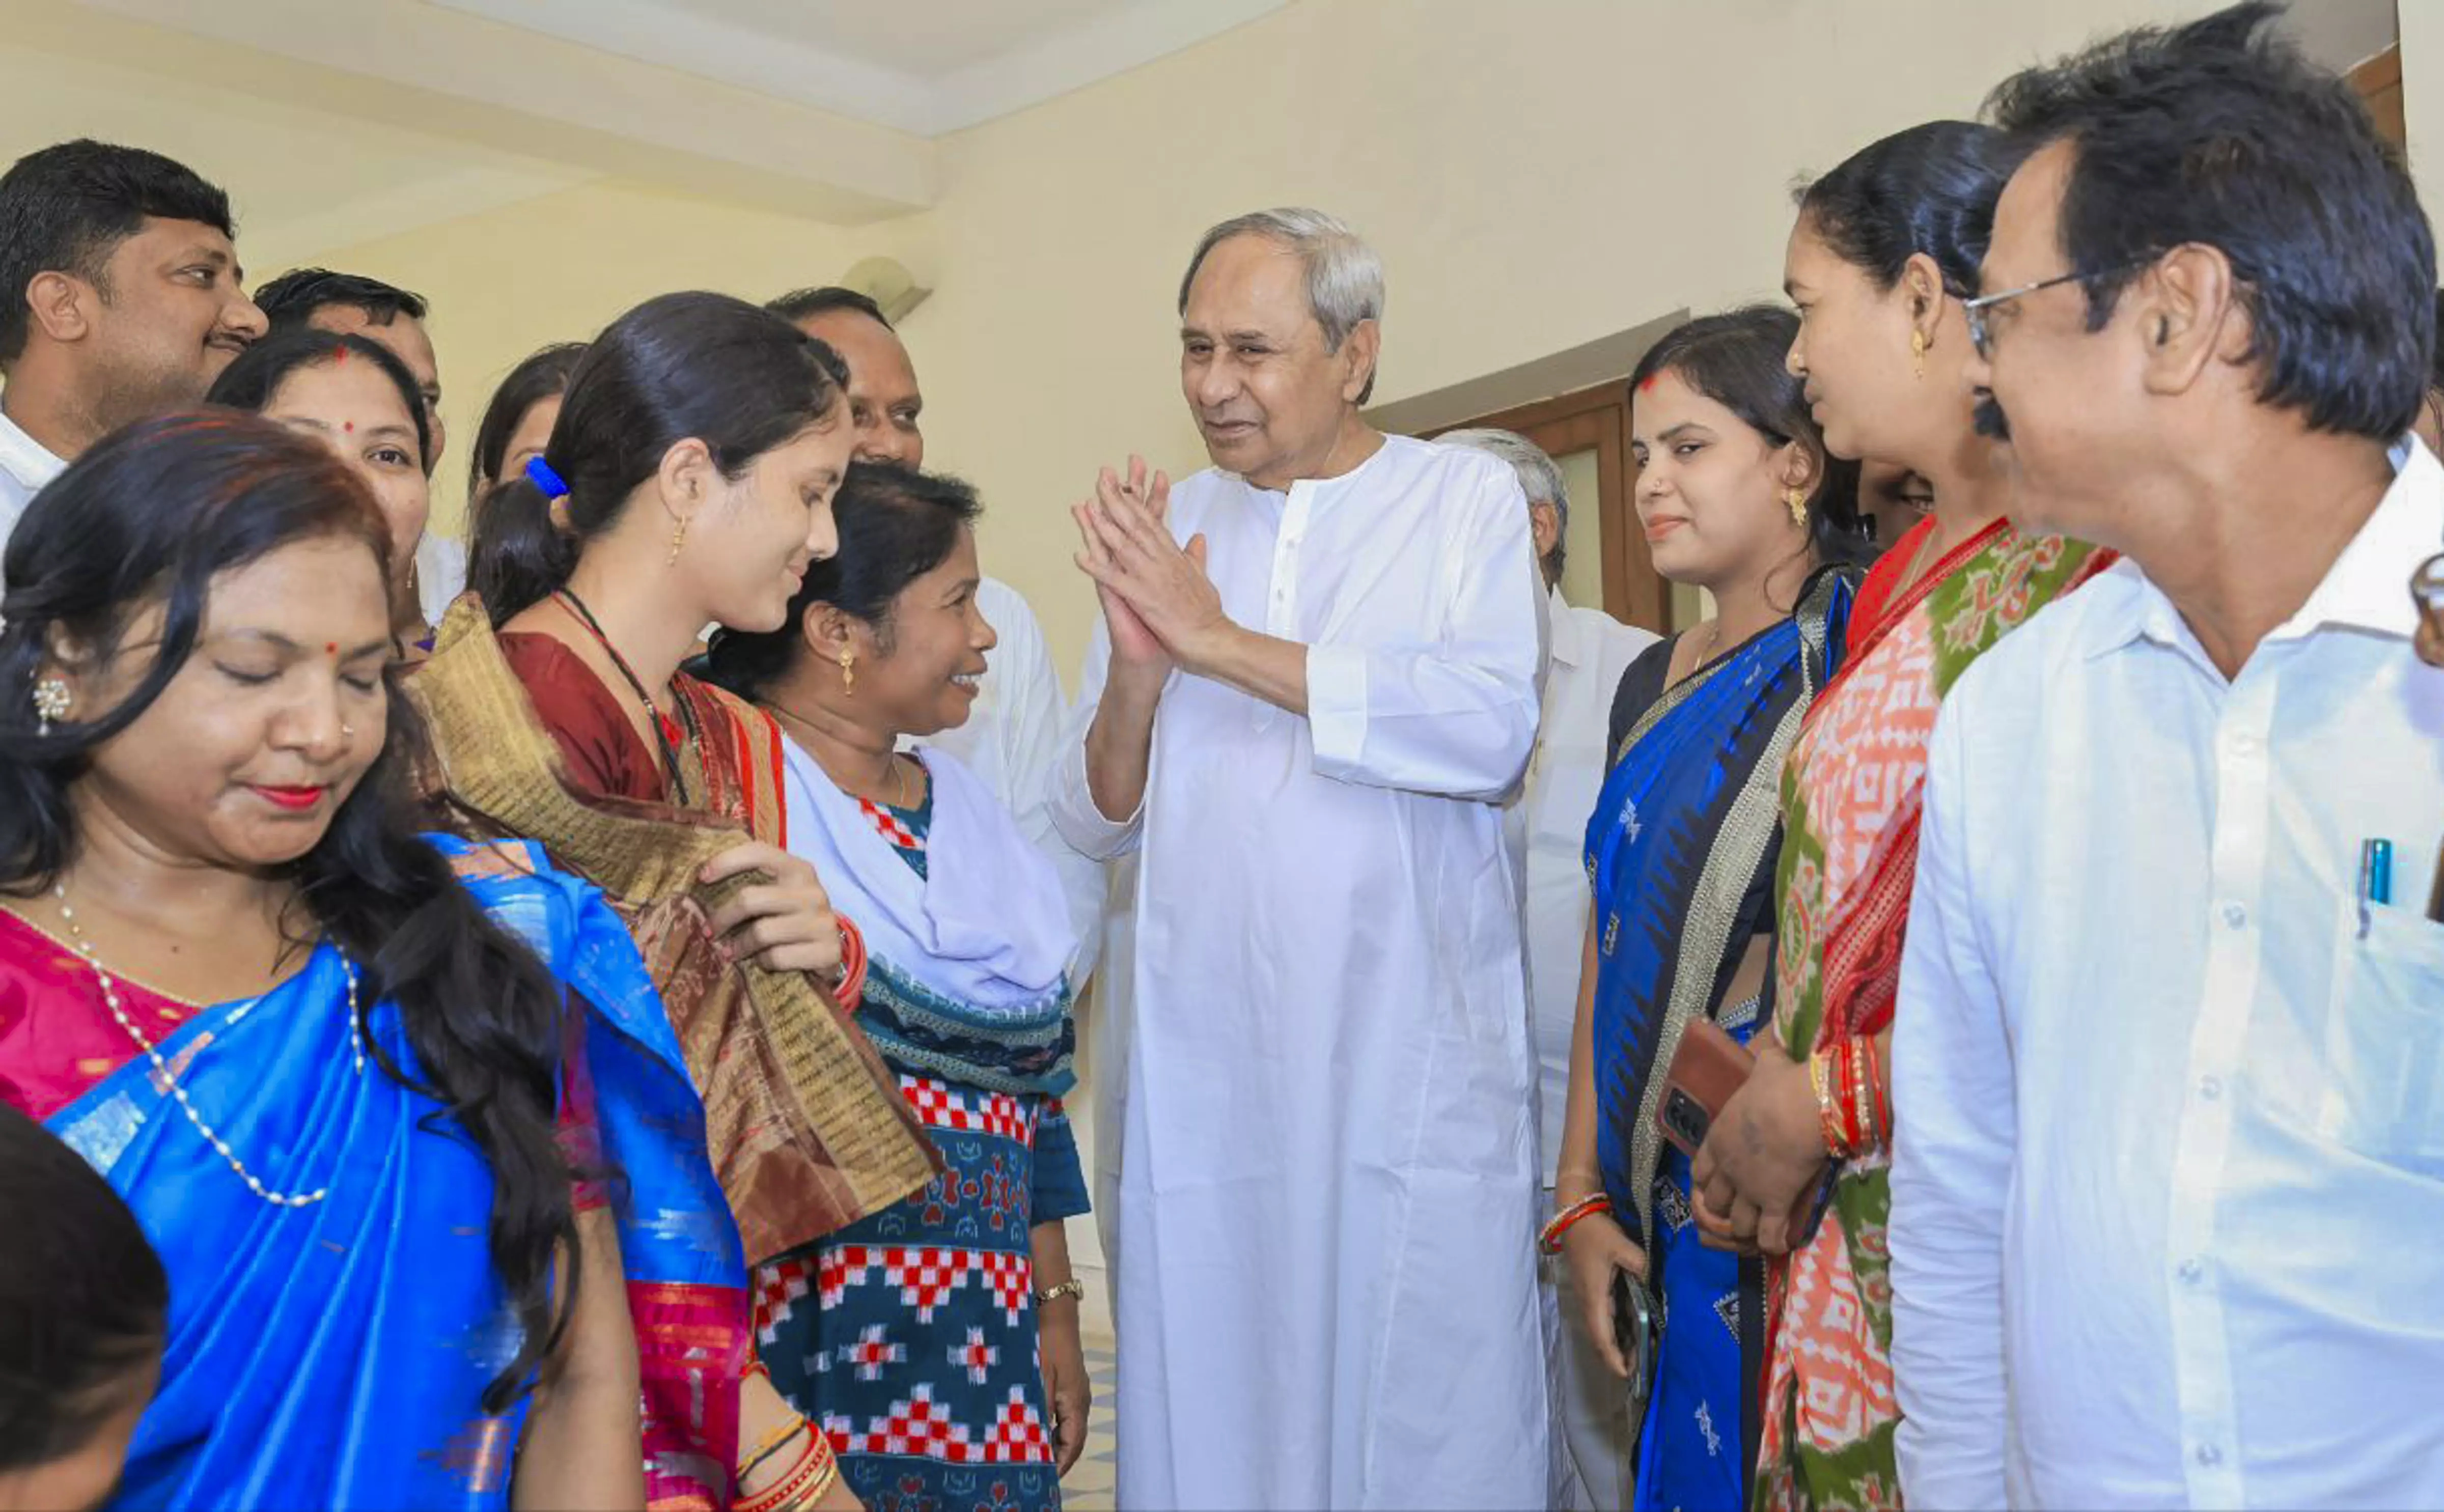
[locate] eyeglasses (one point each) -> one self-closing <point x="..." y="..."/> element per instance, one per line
<point x="1981" y="337"/>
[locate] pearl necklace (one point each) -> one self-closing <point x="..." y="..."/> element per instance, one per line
<point x="169" y="1078"/>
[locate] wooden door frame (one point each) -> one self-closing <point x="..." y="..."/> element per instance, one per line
<point x="1598" y="417"/>
<point x="2377" y="82"/>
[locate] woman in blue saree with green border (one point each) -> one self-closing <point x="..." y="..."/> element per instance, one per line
<point x="1738" y="496"/>
<point x="346" y="1076"/>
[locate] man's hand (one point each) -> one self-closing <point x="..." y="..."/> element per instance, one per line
<point x="1132" y="556"/>
<point x="1763" y="1150"/>
<point x="1138" y="658"/>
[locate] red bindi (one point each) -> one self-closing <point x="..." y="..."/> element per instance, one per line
<point x="330" y="647"/>
<point x="349" y="426"/>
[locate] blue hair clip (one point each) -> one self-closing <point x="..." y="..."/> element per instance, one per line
<point x="540" y="473"/>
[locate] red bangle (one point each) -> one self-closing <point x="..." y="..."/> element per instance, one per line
<point x="1550" y="1241"/>
<point x="851" y="990"/>
<point x="808" y="1470"/>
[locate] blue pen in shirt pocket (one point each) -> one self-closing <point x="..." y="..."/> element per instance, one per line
<point x="2376" y="879"/>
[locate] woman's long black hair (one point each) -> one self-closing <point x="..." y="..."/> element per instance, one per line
<point x="1735" y="359"/>
<point x="740" y="379"/>
<point x="151" y="517"/>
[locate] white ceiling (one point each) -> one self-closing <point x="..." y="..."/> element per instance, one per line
<point x="923" y="67"/>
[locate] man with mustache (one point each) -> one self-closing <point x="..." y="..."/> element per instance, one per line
<point x="121" y="297"/>
<point x="1315" y="681"/>
<point x="2169" y="1160"/>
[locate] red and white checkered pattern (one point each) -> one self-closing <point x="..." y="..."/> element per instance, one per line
<point x="924" y="1276"/>
<point x="917" y="1428"/>
<point x="940" y="1106"/>
<point x="872" y="1351"/>
<point x="1018" y="1435"/>
<point x="893" y="831"/>
<point x="778" y="1288"/>
<point x="1011" y="1276"/>
<point x="976" y="1357"/>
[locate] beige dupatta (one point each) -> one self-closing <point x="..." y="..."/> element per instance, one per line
<point x="807" y="1130"/>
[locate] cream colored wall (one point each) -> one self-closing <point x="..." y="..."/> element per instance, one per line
<point x="2422" y="94"/>
<point x="1533" y="174"/>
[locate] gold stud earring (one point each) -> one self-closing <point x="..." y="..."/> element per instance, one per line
<point x="1918" y="352"/>
<point x="678" y="539"/>
<point x="848" y="672"/>
<point x="1795" y="500"/>
<point x="52" y="701"/>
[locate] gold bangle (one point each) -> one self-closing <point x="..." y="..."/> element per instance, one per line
<point x="1072" y="1288"/>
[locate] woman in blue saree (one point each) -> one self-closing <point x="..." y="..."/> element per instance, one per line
<point x="1738" y="496"/>
<point x="401" y="1115"/>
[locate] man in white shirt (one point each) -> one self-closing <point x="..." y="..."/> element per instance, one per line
<point x="121" y="297"/>
<point x="1593" y="1432"/>
<point x="391" y="318"/>
<point x="2169" y="1062"/>
<point x="1012" y="736"/>
<point x="1314" y="683"/>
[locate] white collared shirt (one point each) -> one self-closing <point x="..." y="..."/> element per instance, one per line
<point x="2168" y="1190"/>
<point x="25" y="466"/>
<point x="1549" y="822"/>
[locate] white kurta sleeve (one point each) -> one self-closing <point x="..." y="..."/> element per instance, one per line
<point x="1953" y="1117"/>
<point x="1036" y="719"/>
<point x="1067" y="799"/>
<point x="1459" y="719"/>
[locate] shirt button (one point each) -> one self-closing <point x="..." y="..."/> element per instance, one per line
<point x="2192" y="1272"/>
<point x="2244" y="745"/>
<point x="2210" y="1087"/>
<point x="2235" y="915"/>
<point x="2210" y="1456"/>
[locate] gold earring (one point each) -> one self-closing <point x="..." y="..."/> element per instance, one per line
<point x="1918" y="352"/>
<point x="848" y="672"/>
<point x="1795" y="500"/>
<point x="52" y="701"/>
<point x="678" y="539"/>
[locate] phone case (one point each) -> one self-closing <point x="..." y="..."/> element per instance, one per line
<point x="1708" y="1067"/>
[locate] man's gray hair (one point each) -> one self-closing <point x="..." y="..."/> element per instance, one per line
<point x="1345" y="278"/>
<point x="1540" y="477"/>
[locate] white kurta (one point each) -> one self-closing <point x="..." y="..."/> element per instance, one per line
<point x="1327" y="1282"/>
<point x="1548" y="826"/>
<point x="25" y="466"/>
<point x="1012" y="741"/>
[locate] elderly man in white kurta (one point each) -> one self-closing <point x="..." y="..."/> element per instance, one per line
<point x="1315" y="681"/>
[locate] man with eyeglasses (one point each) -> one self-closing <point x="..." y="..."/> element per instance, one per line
<point x="2169" y="1168"/>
